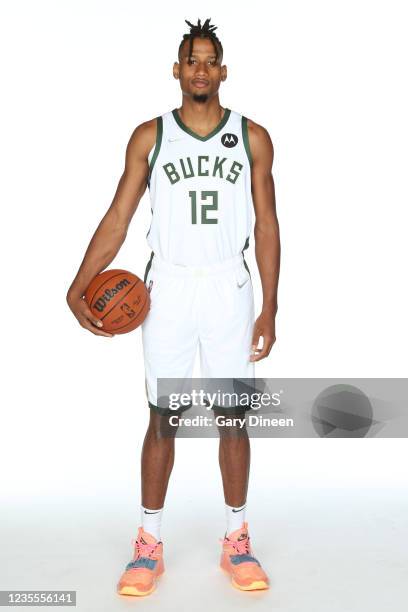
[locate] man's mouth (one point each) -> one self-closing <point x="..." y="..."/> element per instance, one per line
<point x="199" y="83"/>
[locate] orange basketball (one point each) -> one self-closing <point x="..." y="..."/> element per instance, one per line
<point x="119" y="299"/>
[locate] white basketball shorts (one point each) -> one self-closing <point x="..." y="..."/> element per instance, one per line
<point x="210" y="308"/>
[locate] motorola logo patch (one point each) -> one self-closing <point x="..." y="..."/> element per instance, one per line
<point x="229" y="140"/>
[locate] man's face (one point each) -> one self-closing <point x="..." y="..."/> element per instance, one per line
<point x="201" y="74"/>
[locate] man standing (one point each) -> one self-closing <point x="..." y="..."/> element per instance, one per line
<point x="207" y="168"/>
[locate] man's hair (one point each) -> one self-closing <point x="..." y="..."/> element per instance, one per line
<point x="202" y="31"/>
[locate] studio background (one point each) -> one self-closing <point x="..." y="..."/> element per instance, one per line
<point x="326" y="79"/>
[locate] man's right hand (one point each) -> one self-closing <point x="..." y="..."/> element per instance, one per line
<point x="85" y="317"/>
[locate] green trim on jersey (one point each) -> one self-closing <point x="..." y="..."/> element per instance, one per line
<point x="246" y="139"/>
<point x="149" y="265"/>
<point x="168" y="411"/>
<point x="243" y="256"/>
<point x="215" y="131"/>
<point x="159" y="136"/>
<point x="229" y="410"/>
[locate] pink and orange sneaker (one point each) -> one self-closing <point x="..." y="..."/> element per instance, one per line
<point x="237" y="559"/>
<point x="140" y="575"/>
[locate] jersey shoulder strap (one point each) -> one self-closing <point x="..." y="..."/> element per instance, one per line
<point x="238" y="124"/>
<point x="154" y="152"/>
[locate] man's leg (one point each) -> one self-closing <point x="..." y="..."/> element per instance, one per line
<point x="237" y="558"/>
<point x="226" y="327"/>
<point x="157" y="460"/>
<point x="147" y="565"/>
<point x="234" y="458"/>
<point x="170" y="338"/>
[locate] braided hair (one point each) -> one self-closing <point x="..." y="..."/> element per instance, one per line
<point x="202" y="31"/>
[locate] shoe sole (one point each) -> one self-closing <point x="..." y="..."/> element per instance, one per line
<point x="256" y="585"/>
<point x="129" y="590"/>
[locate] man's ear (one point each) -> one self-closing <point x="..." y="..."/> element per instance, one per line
<point x="176" y="70"/>
<point x="223" y="73"/>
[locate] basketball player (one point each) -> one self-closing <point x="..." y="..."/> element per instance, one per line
<point x="207" y="168"/>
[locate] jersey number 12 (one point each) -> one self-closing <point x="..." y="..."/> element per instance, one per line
<point x="205" y="196"/>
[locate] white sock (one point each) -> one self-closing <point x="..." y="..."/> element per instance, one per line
<point x="151" y="521"/>
<point x="235" y="517"/>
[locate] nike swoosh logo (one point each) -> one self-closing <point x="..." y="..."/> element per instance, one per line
<point x="151" y="512"/>
<point x="238" y="510"/>
<point x="242" y="284"/>
<point x="174" y="139"/>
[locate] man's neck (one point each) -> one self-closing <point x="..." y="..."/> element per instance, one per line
<point x="201" y="117"/>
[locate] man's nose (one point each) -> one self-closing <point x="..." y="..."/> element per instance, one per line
<point x="202" y="69"/>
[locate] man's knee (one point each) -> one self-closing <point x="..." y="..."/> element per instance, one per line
<point x="162" y="426"/>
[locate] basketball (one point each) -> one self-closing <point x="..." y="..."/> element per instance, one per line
<point x="119" y="299"/>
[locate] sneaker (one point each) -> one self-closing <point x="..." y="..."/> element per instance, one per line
<point x="140" y="575"/>
<point x="238" y="561"/>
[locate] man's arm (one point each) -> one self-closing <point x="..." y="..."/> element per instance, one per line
<point x="267" y="239"/>
<point x="112" y="229"/>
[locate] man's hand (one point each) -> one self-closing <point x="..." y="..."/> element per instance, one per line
<point x="264" y="326"/>
<point x="85" y="317"/>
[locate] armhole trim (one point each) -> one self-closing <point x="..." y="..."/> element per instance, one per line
<point x="245" y="138"/>
<point x="243" y="256"/>
<point x="159" y="136"/>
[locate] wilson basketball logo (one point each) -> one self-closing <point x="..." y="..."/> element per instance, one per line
<point x="229" y="140"/>
<point x="105" y="298"/>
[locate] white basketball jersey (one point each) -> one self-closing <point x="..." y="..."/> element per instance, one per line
<point x="200" y="191"/>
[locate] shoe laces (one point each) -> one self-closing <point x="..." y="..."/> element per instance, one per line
<point x="143" y="549"/>
<point x="240" y="546"/>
